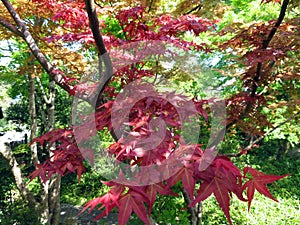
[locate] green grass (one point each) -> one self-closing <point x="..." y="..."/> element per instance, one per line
<point x="263" y="211"/>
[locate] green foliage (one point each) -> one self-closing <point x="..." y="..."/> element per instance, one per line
<point x="78" y="193"/>
<point x="13" y="210"/>
<point x="63" y="104"/>
<point x="19" y="213"/>
<point x="289" y="131"/>
<point x="167" y="210"/>
<point x="6" y="184"/>
<point x="170" y="210"/>
<point x="278" y="112"/>
<point x="249" y="10"/>
<point x="113" y="27"/>
<point x="18" y="111"/>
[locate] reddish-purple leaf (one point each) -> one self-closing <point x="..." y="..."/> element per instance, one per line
<point x="258" y="182"/>
<point x="132" y="201"/>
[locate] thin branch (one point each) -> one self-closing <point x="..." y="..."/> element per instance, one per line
<point x="265" y="134"/>
<point x="198" y="7"/>
<point x="56" y="74"/>
<point x="265" y="45"/>
<point x="10" y="27"/>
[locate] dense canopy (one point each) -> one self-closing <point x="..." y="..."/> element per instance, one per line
<point x="156" y="88"/>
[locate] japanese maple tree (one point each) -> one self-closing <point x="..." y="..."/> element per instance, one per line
<point x="151" y="152"/>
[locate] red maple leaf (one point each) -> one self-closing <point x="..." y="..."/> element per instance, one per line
<point x="186" y="174"/>
<point x="221" y="178"/>
<point x="217" y="186"/>
<point x="152" y="190"/>
<point x="258" y="182"/>
<point x="108" y="201"/>
<point x="132" y="201"/>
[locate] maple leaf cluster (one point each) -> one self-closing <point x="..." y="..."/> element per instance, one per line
<point x="69" y="14"/>
<point x="259" y="52"/>
<point x="152" y="141"/>
<point x="165" y="28"/>
<point x="160" y="168"/>
<point x="66" y="156"/>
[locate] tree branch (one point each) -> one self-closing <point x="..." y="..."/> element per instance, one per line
<point x="267" y="41"/>
<point x="265" y="134"/>
<point x="103" y="56"/>
<point x="265" y="45"/>
<point x="10" y="27"/>
<point x="193" y="211"/>
<point x="56" y="74"/>
<point x="43" y="92"/>
<point x="150" y="5"/>
<point x="198" y="7"/>
<point x="94" y="25"/>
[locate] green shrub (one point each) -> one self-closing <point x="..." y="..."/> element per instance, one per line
<point x="18" y="213"/>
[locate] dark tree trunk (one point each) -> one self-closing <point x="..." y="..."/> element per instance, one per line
<point x="195" y="212"/>
<point x="283" y="147"/>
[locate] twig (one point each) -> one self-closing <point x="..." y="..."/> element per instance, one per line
<point x="265" y="45"/>
<point x="198" y="7"/>
<point x="57" y="75"/>
<point x="264" y="135"/>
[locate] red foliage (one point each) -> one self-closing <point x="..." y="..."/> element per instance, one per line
<point x="72" y="15"/>
<point x="66" y="157"/>
<point x="170" y="157"/>
<point x="260" y="56"/>
<point x="173" y="27"/>
<point x="258" y="182"/>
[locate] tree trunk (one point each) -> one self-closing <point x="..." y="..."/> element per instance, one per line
<point x="44" y="204"/>
<point x="42" y="208"/>
<point x="7" y="153"/>
<point x="54" y="200"/>
<point x="54" y="187"/>
<point x="33" y="118"/>
<point x="49" y="207"/>
<point x="195" y="212"/>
